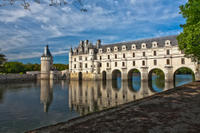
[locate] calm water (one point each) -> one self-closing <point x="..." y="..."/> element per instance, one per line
<point x="25" y="106"/>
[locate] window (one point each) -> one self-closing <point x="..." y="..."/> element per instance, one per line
<point x="115" y="64"/>
<point x="74" y="59"/>
<point x="86" y="58"/>
<point x="80" y="57"/>
<point x="108" y="56"/>
<point x="143" y="53"/>
<point x="168" y="52"/>
<point x="80" y="65"/>
<point x="182" y="61"/>
<point x="123" y="63"/>
<point x="107" y="64"/>
<point x="143" y="63"/>
<point x="100" y="57"/>
<point x="86" y="65"/>
<point x="100" y="64"/>
<point x="155" y="62"/>
<point x="108" y="49"/>
<point x="74" y="65"/>
<point x="124" y="56"/>
<point x="154" y="53"/>
<point x="133" y="54"/>
<point x="167" y="61"/>
<point x="115" y="56"/>
<point x="133" y="63"/>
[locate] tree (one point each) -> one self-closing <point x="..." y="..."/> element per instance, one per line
<point x="27" y="3"/>
<point x="13" y="67"/>
<point x="189" y="39"/>
<point x="2" y="59"/>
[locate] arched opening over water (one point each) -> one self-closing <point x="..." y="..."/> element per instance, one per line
<point x="116" y="79"/>
<point x="183" y="75"/>
<point x="80" y="76"/>
<point x="134" y="80"/>
<point x="156" y="80"/>
<point x="104" y="75"/>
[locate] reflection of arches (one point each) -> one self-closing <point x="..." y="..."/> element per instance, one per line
<point x="183" y="75"/>
<point x="134" y="80"/>
<point x="156" y="80"/>
<point x="116" y="79"/>
<point x="104" y="75"/>
<point x="80" y="76"/>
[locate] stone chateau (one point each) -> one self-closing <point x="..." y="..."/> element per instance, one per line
<point x="96" y="62"/>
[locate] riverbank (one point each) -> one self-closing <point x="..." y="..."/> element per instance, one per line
<point x="5" y="78"/>
<point x="175" y="110"/>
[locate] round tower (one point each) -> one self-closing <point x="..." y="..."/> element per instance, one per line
<point x="46" y="63"/>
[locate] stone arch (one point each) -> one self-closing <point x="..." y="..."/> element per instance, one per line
<point x="188" y="72"/>
<point x="156" y="77"/>
<point x="116" y="79"/>
<point x="134" y="80"/>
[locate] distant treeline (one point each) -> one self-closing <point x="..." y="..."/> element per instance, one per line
<point x="18" y="67"/>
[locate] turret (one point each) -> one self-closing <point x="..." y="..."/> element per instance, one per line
<point x="46" y="63"/>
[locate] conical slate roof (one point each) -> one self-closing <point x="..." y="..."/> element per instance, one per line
<point x="47" y="52"/>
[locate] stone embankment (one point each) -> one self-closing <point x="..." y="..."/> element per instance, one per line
<point x="174" y="111"/>
<point x="5" y="78"/>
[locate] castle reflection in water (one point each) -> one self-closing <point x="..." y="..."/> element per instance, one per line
<point x="85" y="97"/>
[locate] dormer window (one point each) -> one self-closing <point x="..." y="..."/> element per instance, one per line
<point x="133" y="46"/>
<point x="100" y="50"/>
<point x="167" y="43"/>
<point x="124" y="47"/>
<point x="108" y="49"/>
<point x="115" y="48"/>
<point x="143" y="45"/>
<point x="154" y="44"/>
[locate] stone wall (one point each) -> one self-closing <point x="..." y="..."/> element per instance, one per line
<point x="16" y="77"/>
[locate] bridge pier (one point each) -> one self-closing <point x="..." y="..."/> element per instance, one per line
<point x="108" y="75"/>
<point x="169" y="76"/>
<point x="124" y="74"/>
<point x="144" y="73"/>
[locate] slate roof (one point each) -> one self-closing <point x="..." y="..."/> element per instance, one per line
<point x="47" y="52"/>
<point x="159" y="40"/>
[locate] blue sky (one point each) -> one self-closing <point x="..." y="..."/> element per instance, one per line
<point x="24" y="33"/>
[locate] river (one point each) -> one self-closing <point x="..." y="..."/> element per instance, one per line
<point x="29" y="105"/>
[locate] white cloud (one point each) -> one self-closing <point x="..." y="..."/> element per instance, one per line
<point x="121" y="20"/>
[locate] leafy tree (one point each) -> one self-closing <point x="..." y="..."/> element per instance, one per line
<point x="13" y="67"/>
<point x="2" y="60"/>
<point x="27" y="3"/>
<point x="189" y="39"/>
<point x="60" y="67"/>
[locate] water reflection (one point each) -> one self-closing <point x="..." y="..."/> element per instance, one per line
<point x="92" y="96"/>
<point x="46" y="93"/>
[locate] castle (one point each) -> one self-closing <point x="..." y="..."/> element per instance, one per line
<point x="47" y="69"/>
<point x="97" y="62"/>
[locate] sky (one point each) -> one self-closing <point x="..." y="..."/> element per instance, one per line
<point x="24" y="33"/>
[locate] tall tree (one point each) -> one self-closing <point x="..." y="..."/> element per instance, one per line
<point x="2" y="59"/>
<point x="189" y="39"/>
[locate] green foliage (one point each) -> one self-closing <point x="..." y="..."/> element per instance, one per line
<point x="60" y="67"/>
<point x="184" y="70"/>
<point x="189" y="39"/>
<point x="13" y="67"/>
<point x="18" y="67"/>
